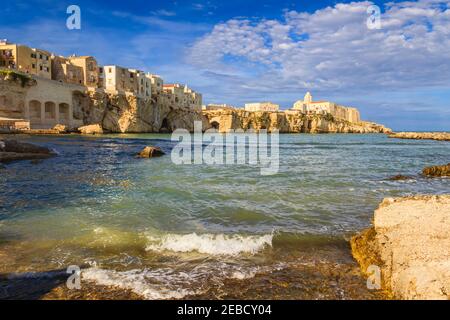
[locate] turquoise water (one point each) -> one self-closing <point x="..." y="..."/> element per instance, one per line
<point x="163" y="230"/>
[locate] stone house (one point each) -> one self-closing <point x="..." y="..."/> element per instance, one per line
<point x="25" y="59"/>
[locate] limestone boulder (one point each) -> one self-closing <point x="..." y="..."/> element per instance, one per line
<point x="151" y="152"/>
<point x="91" y="129"/>
<point x="410" y="244"/>
<point x="60" y="128"/>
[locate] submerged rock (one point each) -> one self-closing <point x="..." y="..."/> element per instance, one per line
<point x="151" y="152"/>
<point x="11" y="150"/>
<point x="437" y="171"/>
<point x="410" y="243"/>
<point x="400" y="177"/>
<point x="23" y="147"/>
<point x="91" y="129"/>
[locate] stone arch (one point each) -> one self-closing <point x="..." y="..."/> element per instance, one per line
<point x="215" y="124"/>
<point x="50" y="110"/>
<point x="3" y="101"/>
<point x="64" y="112"/>
<point x="35" y="110"/>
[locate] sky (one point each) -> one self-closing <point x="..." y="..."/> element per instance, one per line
<point x="268" y="50"/>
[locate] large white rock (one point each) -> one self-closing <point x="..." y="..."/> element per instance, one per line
<point x="411" y="241"/>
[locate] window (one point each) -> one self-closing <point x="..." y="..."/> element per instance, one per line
<point x="33" y="66"/>
<point x="131" y="75"/>
<point x="110" y="70"/>
<point x="40" y="68"/>
<point x="40" y="56"/>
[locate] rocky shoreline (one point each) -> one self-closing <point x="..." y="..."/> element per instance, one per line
<point x="409" y="242"/>
<point x="287" y="122"/>
<point x="439" y="136"/>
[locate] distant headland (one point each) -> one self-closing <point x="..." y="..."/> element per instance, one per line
<point x="47" y="93"/>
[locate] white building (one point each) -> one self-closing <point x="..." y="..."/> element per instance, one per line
<point x="119" y="80"/>
<point x="143" y="83"/>
<point x="213" y="106"/>
<point x="307" y="105"/>
<point x="262" y="106"/>
<point x="157" y="83"/>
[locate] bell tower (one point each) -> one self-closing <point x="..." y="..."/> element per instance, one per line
<point x="308" y="98"/>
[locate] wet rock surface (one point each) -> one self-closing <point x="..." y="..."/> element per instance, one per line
<point x="12" y="150"/>
<point x="151" y="152"/>
<point x="437" y="171"/>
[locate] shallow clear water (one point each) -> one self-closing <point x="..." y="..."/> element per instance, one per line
<point x="167" y="231"/>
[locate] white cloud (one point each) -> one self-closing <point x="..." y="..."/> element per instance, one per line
<point x="165" y="13"/>
<point x="332" y="49"/>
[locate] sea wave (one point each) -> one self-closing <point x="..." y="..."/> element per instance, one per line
<point x="212" y="244"/>
<point x="140" y="282"/>
<point x="168" y="283"/>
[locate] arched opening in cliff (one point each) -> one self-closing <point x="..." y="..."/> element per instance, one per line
<point x="165" y="126"/>
<point x="215" y="125"/>
<point x="64" y="112"/>
<point x="50" y="110"/>
<point x="34" y="110"/>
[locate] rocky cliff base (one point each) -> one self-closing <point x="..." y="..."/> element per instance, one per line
<point x="286" y="122"/>
<point x="410" y="243"/>
<point x="440" y="136"/>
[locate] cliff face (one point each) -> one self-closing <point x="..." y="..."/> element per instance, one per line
<point x="129" y="114"/>
<point x="287" y="122"/>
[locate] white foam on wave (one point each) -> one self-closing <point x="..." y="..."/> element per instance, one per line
<point x="139" y="282"/>
<point x="212" y="244"/>
<point x="167" y="283"/>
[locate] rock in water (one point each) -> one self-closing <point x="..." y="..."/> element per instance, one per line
<point x="439" y="136"/>
<point x="11" y="150"/>
<point x="91" y="129"/>
<point x="437" y="171"/>
<point x="151" y="152"/>
<point x="22" y="147"/>
<point x="400" y="177"/>
<point x="409" y="243"/>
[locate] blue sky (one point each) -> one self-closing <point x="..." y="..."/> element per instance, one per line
<point x="242" y="51"/>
